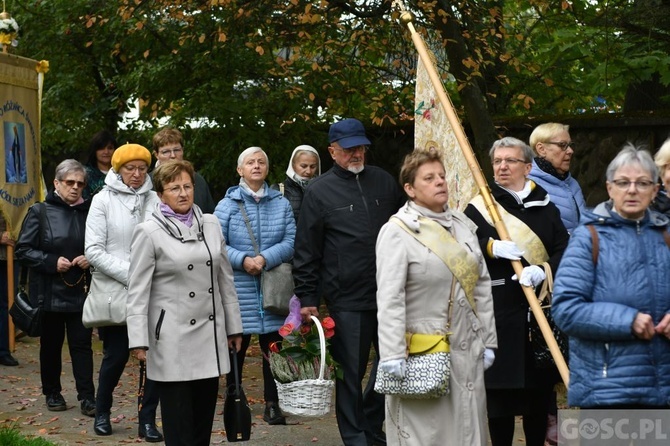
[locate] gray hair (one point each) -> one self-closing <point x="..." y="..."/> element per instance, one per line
<point x="250" y="151"/>
<point x="509" y="141"/>
<point x="631" y="155"/>
<point x="70" y="166"/>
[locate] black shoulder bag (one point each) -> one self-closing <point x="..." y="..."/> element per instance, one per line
<point x="236" y="411"/>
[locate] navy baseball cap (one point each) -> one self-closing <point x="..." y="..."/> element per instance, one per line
<point x="348" y="133"/>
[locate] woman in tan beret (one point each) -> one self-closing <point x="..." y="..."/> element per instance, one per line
<point x="126" y="200"/>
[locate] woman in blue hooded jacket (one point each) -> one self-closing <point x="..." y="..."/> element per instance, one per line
<point x="273" y="225"/>
<point x="612" y="294"/>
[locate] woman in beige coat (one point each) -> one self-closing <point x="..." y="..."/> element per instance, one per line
<point x="183" y="313"/>
<point x="413" y="296"/>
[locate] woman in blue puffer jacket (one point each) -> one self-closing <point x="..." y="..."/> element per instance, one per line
<point x="612" y="297"/>
<point x="273" y="225"/>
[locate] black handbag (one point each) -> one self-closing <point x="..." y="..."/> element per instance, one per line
<point x="541" y="352"/>
<point x="26" y="317"/>
<point x="236" y="411"/>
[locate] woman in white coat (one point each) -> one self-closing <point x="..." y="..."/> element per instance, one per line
<point x="124" y="202"/>
<point x="414" y="295"/>
<point x="182" y="306"/>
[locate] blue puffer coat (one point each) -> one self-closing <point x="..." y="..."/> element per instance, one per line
<point x="565" y="194"/>
<point x="274" y="228"/>
<point x="597" y="304"/>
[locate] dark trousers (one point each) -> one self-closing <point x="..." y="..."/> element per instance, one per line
<point x="360" y="413"/>
<point x="55" y="325"/>
<point x="269" y="386"/>
<point x="534" y="416"/>
<point x="187" y="408"/>
<point x="115" y="356"/>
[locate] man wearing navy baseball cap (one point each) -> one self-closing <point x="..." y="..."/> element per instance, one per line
<point x="341" y="215"/>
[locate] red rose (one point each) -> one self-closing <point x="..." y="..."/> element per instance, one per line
<point x="274" y="347"/>
<point x="305" y="329"/>
<point x="328" y="333"/>
<point x="328" y="323"/>
<point x="286" y="330"/>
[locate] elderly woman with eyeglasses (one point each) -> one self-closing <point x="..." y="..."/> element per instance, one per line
<point x="551" y="170"/>
<point x="612" y="295"/>
<point x="51" y="244"/>
<point x="183" y="314"/>
<point x="662" y="159"/>
<point x="124" y="202"/>
<point x="514" y="385"/>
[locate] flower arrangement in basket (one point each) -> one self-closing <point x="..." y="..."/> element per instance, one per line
<point x="303" y="367"/>
<point x="9" y="30"/>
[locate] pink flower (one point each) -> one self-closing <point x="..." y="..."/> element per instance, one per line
<point x="274" y="347"/>
<point x="328" y="333"/>
<point x="328" y="323"/>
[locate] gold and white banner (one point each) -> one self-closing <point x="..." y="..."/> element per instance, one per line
<point x="21" y="182"/>
<point x="432" y="129"/>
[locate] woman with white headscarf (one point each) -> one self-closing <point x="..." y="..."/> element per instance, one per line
<point x="303" y="166"/>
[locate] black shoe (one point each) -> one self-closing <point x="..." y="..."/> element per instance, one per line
<point x="88" y="407"/>
<point x="102" y="425"/>
<point x="149" y="432"/>
<point x="273" y="414"/>
<point x="8" y="360"/>
<point x="56" y="402"/>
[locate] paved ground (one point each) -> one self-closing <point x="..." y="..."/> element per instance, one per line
<point x="22" y="405"/>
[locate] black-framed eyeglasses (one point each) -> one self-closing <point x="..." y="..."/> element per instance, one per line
<point x="642" y="185"/>
<point x="563" y="145"/>
<point x="71" y="183"/>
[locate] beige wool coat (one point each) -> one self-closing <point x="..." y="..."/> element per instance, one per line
<point x="182" y="304"/>
<point x="413" y="294"/>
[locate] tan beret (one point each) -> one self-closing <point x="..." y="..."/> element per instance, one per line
<point x="130" y="152"/>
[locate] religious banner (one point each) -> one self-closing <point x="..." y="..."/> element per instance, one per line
<point x="432" y="130"/>
<point x="21" y="182"/>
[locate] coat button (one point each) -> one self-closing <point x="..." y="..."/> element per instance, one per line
<point x="190" y="267"/>
<point x="475" y="326"/>
<point x="209" y="263"/>
<point x="192" y="321"/>
<point x="471" y="386"/>
<point x="461" y="302"/>
<point x="211" y="317"/>
<point x="191" y="294"/>
<point x="210" y="291"/>
<point x="464" y="345"/>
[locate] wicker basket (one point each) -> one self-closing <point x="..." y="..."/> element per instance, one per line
<point x="309" y="397"/>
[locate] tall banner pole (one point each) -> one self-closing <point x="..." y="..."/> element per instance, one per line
<point x="534" y="304"/>
<point x="10" y="295"/>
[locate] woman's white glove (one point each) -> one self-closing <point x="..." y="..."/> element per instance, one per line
<point x="506" y="249"/>
<point x="531" y="275"/>
<point x="394" y="367"/>
<point x="489" y="357"/>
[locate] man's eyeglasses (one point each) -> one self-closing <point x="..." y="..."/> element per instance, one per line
<point x="509" y="161"/>
<point x="168" y="152"/>
<point x="642" y="185"/>
<point x="563" y="145"/>
<point x="71" y="183"/>
<point x="352" y="150"/>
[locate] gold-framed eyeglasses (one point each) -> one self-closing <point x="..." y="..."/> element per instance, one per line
<point x="509" y="161"/>
<point x="563" y="145"/>
<point x="176" y="190"/>
<point x="642" y="185"/>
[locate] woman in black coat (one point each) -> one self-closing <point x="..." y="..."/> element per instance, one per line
<point x="303" y="166"/>
<point x="51" y="244"/>
<point x="514" y="386"/>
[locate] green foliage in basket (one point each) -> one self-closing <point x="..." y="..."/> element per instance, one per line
<point x="298" y="356"/>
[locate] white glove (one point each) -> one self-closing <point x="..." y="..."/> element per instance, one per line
<point x="531" y="275"/>
<point x="506" y="249"/>
<point x="395" y="367"/>
<point x="489" y="357"/>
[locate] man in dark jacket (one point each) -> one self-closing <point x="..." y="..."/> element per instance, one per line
<point x="341" y="215"/>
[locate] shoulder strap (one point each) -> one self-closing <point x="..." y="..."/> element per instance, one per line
<point x="246" y="221"/>
<point x="281" y="188"/>
<point x="595" y="246"/>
